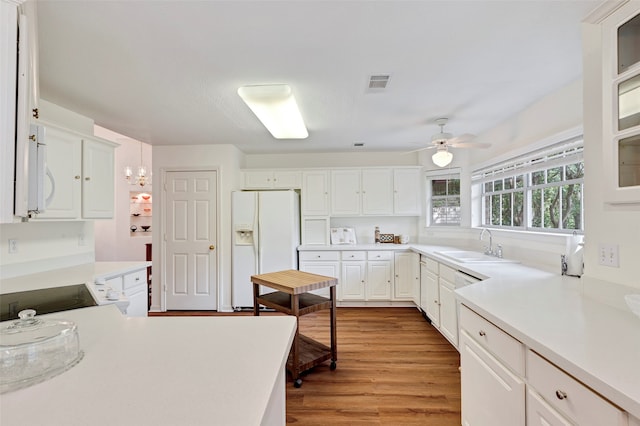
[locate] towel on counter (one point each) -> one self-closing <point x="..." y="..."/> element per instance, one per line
<point x="574" y="259"/>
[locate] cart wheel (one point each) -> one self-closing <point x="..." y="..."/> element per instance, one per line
<point x="333" y="365"/>
<point x="297" y="383"/>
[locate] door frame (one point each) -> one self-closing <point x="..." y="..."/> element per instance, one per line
<point x="161" y="252"/>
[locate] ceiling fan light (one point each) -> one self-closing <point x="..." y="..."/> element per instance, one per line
<point x="276" y="107"/>
<point x="442" y="158"/>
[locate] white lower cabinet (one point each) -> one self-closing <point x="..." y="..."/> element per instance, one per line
<point x="379" y="281"/>
<point x="568" y="396"/>
<point x="406" y="284"/>
<point x="354" y="275"/>
<point x="429" y="290"/>
<point x="448" y="306"/>
<point x="133" y="285"/>
<point x="321" y="263"/>
<point x="539" y="413"/>
<point x="492" y="367"/>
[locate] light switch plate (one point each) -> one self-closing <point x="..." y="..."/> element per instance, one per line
<point x="608" y="255"/>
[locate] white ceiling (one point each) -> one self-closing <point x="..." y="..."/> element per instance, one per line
<point x="166" y="72"/>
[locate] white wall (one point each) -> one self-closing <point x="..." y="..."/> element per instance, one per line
<point x="604" y="223"/>
<point x="227" y="159"/>
<point x="114" y="241"/>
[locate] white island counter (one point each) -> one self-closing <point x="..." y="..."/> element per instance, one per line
<point x="163" y="371"/>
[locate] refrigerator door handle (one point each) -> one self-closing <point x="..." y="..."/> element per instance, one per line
<point x="257" y="241"/>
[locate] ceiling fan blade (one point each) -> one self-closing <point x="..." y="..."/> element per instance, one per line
<point x="420" y="149"/>
<point x="470" y="145"/>
<point x="461" y="139"/>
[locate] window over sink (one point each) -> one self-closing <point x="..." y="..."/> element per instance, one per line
<point x="540" y="191"/>
<point x="443" y="193"/>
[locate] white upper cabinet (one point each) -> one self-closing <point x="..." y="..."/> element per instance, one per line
<point x="362" y="192"/>
<point x="80" y="180"/>
<point x="407" y="194"/>
<point x="621" y="104"/>
<point x="315" y="193"/>
<point x="272" y="179"/>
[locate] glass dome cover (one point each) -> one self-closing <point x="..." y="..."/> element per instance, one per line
<point x="35" y="349"/>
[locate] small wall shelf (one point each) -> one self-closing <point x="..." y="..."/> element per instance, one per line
<point x="141" y="210"/>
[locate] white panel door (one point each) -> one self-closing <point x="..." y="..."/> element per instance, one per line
<point x="353" y="279"/>
<point x="345" y="192"/>
<point x="328" y="269"/>
<point x="190" y="256"/>
<point x="448" y="312"/>
<point x="407" y="196"/>
<point x="315" y="193"/>
<point x="98" y="184"/>
<point x="378" y="286"/>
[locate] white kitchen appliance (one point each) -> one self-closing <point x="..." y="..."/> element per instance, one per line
<point x="266" y="235"/>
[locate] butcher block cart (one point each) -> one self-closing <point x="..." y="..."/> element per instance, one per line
<point x="293" y="297"/>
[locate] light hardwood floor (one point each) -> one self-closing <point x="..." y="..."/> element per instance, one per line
<point x="393" y="368"/>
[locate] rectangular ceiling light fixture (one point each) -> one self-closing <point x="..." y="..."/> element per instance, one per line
<point x="276" y="107"/>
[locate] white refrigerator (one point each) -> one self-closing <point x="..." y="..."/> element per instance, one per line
<point x="266" y="235"/>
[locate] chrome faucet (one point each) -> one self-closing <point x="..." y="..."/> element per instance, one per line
<point x="487" y="250"/>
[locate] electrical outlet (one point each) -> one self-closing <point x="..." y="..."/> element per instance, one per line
<point x="608" y="255"/>
<point x="13" y="245"/>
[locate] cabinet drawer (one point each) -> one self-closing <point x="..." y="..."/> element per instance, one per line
<point x="379" y="255"/>
<point x="447" y="273"/>
<point x="579" y="403"/>
<point x="135" y="279"/>
<point x="432" y="265"/>
<point x="494" y="339"/>
<point x="354" y="255"/>
<point x="319" y="255"/>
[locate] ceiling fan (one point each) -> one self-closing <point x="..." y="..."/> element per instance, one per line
<point x="442" y="141"/>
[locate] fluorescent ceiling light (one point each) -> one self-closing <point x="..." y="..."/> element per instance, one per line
<point x="442" y="157"/>
<point x="276" y="108"/>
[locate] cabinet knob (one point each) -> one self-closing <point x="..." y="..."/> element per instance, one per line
<point x="482" y="333"/>
<point x="212" y="247"/>
<point x="561" y="394"/>
<point x="76" y="177"/>
<point x="137" y="278"/>
<point x="87" y="178"/>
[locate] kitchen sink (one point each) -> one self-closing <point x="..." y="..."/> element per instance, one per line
<point x="467" y="256"/>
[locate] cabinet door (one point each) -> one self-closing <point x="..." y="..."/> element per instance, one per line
<point x="258" y="179"/>
<point x="63" y="187"/>
<point x="378" y="284"/>
<point x="491" y="394"/>
<point x="345" y="192"/>
<point x="377" y="191"/>
<point x="97" y="179"/>
<point x="328" y="269"/>
<point x="315" y="193"/>
<point x="432" y="296"/>
<point x="539" y="413"/>
<point x="407" y="195"/>
<point x="353" y="278"/>
<point x="287" y="179"/>
<point x="406" y="283"/>
<point x="448" y="312"/>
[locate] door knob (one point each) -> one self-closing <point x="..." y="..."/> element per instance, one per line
<point x="212" y="247"/>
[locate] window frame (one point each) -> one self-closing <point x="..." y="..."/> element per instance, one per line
<point x="449" y="174"/>
<point x="562" y="154"/>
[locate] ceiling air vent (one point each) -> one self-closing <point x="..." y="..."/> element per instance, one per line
<point x="378" y="81"/>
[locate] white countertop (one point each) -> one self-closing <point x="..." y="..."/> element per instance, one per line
<point x="595" y="342"/>
<point x="160" y="371"/>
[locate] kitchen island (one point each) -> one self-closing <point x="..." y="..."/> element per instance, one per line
<point x="163" y="371"/>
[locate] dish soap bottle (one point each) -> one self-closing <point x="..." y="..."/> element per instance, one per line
<point x="377" y="235"/>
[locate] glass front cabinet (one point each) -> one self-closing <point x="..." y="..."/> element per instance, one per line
<point x="621" y="105"/>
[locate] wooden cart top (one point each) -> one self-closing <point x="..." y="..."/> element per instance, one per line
<point x="294" y="282"/>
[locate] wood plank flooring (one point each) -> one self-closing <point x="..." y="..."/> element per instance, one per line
<point x="393" y="368"/>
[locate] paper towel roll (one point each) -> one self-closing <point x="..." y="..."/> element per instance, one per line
<point x="574" y="259"/>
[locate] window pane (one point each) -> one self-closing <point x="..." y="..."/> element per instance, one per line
<point x="497" y="185"/>
<point x="487" y="210"/>
<point x="439" y="187"/>
<point x="488" y="186"/>
<point x="446" y="211"/>
<point x="518" y="208"/>
<point x="453" y="187"/>
<point x="536" y="208"/>
<point x="628" y="42"/>
<point x="629" y="161"/>
<point x="495" y="210"/>
<point x="552" y="207"/>
<point x="537" y="178"/>
<point x="629" y="102"/>
<point x="554" y="175"/>
<point x="506" y="209"/>
<point x="574" y="171"/>
<point x="572" y="206"/>
<point x="520" y="181"/>
<point x="508" y="183"/>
